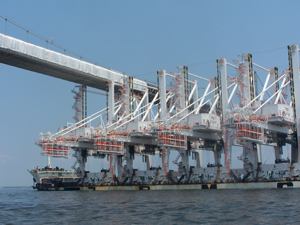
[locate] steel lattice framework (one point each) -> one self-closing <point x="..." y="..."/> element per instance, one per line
<point x="142" y="119"/>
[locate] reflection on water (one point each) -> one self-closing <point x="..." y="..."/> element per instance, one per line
<point x="261" y="206"/>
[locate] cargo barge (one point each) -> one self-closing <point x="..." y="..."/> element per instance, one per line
<point x="145" y="120"/>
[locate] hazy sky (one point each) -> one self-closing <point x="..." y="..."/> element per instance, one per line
<point x="135" y="37"/>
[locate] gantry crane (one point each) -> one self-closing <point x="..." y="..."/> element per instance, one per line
<point x="148" y="120"/>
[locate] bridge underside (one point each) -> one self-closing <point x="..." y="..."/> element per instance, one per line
<point x="17" y="53"/>
<point x="15" y="59"/>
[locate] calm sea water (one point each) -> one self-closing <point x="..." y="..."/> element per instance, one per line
<point x="262" y="206"/>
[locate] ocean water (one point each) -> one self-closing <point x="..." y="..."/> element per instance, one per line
<point x="260" y="206"/>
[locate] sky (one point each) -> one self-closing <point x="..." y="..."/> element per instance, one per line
<point x="134" y="37"/>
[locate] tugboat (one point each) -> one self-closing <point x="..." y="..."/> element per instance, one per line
<point x="54" y="179"/>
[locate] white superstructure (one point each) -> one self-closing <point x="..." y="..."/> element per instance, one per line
<point x="144" y="119"/>
<point x="231" y="112"/>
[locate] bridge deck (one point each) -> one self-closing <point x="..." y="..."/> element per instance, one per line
<point x="17" y="53"/>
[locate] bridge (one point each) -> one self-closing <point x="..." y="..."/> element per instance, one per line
<point x="18" y="53"/>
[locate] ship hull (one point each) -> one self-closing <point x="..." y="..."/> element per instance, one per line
<point x="41" y="187"/>
<point x="69" y="181"/>
<point x="54" y="180"/>
<point x="250" y="185"/>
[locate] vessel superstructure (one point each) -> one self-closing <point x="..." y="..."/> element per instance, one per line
<point x="47" y="179"/>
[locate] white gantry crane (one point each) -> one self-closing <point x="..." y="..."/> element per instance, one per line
<point x="154" y="120"/>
